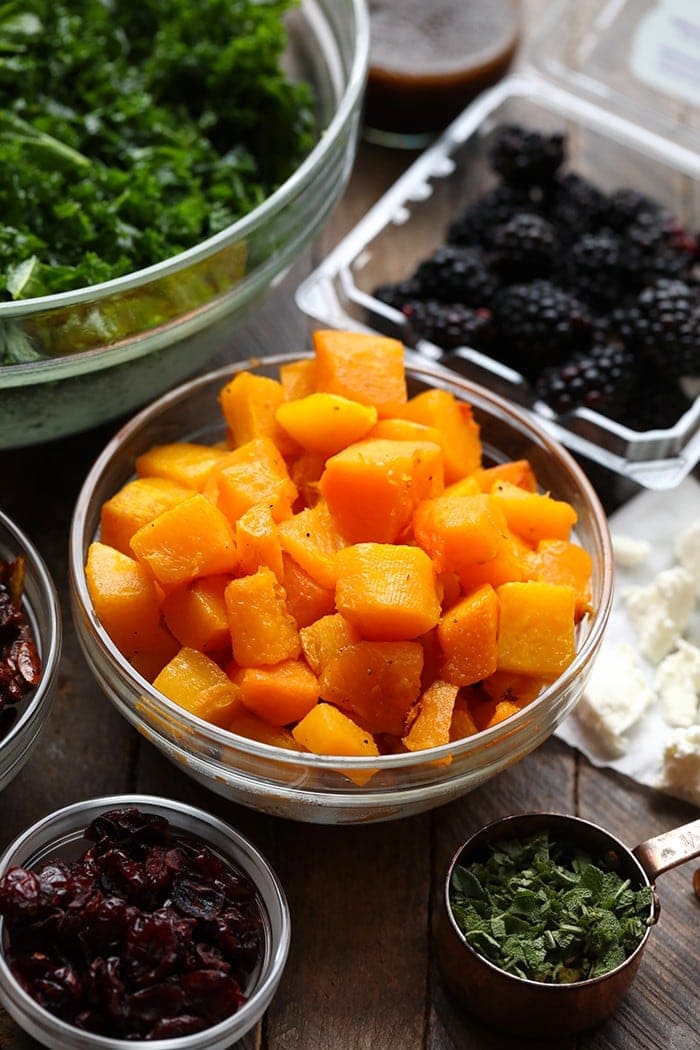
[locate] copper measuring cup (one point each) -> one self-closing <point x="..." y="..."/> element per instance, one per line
<point x="533" y="1008"/>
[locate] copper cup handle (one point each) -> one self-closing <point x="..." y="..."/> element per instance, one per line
<point x="667" y="851"/>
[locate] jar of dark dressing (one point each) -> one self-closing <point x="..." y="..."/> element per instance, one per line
<point x="429" y="58"/>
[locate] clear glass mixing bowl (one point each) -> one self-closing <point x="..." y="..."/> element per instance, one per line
<point x="311" y="787"/>
<point x="121" y="343"/>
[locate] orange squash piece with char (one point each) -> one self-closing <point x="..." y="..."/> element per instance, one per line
<point x="263" y="631"/>
<point x="326" y="423"/>
<point x="325" y="637"/>
<point x="468" y="635"/>
<point x="312" y="539"/>
<point x="373" y="487"/>
<point x="190" y="540"/>
<point x="307" y="600"/>
<point x="305" y="470"/>
<point x="184" y="462"/>
<point x="462" y="724"/>
<point x="511" y="563"/>
<point x="377" y="682"/>
<point x="430" y="727"/>
<point x="533" y="516"/>
<point x="281" y="694"/>
<point x="327" y="731"/>
<point x="487" y="713"/>
<point x="249" y="403"/>
<point x="387" y="591"/>
<point x="365" y="368"/>
<point x="536" y="628"/>
<point x="253" y="473"/>
<point x="459" y="432"/>
<point x="517" y="471"/>
<point x="196" y="683"/>
<point x="518" y="689"/>
<point x="459" y="531"/>
<point x="196" y="614"/>
<point x="134" y="505"/>
<point x="127" y="605"/>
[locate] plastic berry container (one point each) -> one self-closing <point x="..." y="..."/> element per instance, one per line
<point x="42" y="610"/>
<point x="615" y="80"/>
<point x="60" y="836"/>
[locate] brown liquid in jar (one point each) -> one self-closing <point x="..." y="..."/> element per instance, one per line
<point x="429" y="58"/>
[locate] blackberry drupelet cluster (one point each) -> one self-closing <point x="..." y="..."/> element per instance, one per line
<point x="593" y="297"/>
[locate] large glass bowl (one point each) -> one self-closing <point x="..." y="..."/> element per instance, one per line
<point x="43" y="612"/>
<point x="311" y="787"/>
<point x="121" y="343"/>
<point x="60" y="836"/>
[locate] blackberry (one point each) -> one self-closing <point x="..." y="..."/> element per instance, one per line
<point x="656" y="246"/>
<point x="576" y="206"/>
<point x="602" y="379"/>
<point x="476" y="225"/>
<point x="663" y="325"/>
<point x="523" y="157"/>
<point x="593" y="269"/>
<point x="540" y="324"/>
<point x="525" y="247"/>
<point x="456" y="274"/>
<point x="450" y="325"/>
<point x="625" y="205"/>
<point x="397" y="294"/>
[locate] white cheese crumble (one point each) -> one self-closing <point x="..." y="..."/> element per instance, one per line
<point x="616" y="696"/>
<point x="681" y="763"/>
<point x="678" y="685"/>
<point x="629" y="552"/>
<point x="688" y="552"/>
<point x="660" y="612"/>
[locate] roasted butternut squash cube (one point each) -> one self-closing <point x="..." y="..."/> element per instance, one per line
<point x="517" y="471"/>
<point x="373" y="487"/>
<point x="559" y="561"/>
<point x="190" y="540"/>
<point x="244" y="723"/>
<point x="305" y="470"/>
<point x="462" y="724"/>
<point x="307" y="600"/>
<point x="430" y="726"/>
<point x="487" y="713"/>
<point x="196" y="683"/>
<point x="196" y="614"/>
<point x="184" y="462"/>
<point x="312" y="540"/>
<point x="326" y="423"/>
<point x="327" y="731"/>
<point x="459" y="531"/>
<point x="251" y="474"/>
<point x="364" y="367"/>
<point x="263" y="631"/>
<point x="511" y="563"/>
<point x="518" y="689"/>
<point x="398" y="429"/>
<point x="321" y="640"/>
<point x="134" y="505"/>
<point x="377" y="682"/>
<point x="459" y="432"/>
<point x="249" y="404"/>
<point x="258" y="541"/>
<point x="387" y="591"/>
<point x="534" y="516"/>
<point x="467" y="634"/>
<point x="298" y="378"/>
<point x="127" y="605"/>
<point x="536" y="628"/>
<point x="281" y="694"/>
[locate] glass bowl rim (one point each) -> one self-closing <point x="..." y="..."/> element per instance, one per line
<point x="225" y="738"/>
<point x="278" y="946"/>
<point x="276" y="201"/>
<point x="51" y="609"/>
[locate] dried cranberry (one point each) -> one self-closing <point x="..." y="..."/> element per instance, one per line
<point x="192" y="896"/>
<point x="170" y="1027"/>
<point x="20" y="894"/>
<point x="150" y="949"/>
<point x="130" y="822"/>
<point x="212" y="994"/>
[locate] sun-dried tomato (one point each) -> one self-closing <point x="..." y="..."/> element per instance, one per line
<point x="148" y="935"/>
<point x="20" y="666"/>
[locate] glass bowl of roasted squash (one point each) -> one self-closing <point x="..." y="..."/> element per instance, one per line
<point x="342" y="585"/>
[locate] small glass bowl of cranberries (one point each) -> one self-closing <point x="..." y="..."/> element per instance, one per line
<point x="30" y="647"/>
<point x="140" y="921"/>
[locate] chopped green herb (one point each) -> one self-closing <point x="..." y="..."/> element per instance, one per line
<point x="133" y="129"/>
<point x="547" y="911"/>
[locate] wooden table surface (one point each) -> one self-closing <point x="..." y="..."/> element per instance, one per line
<point x="362" y="970"/>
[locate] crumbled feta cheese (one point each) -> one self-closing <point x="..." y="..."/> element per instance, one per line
<point x="629" y="552"/>
<point x="681" y="763"/>
<point x="616" y="696"/>
<point x="688" y="552"/>
<point x="678" y="685"/>
<point x="660" y="612"/>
